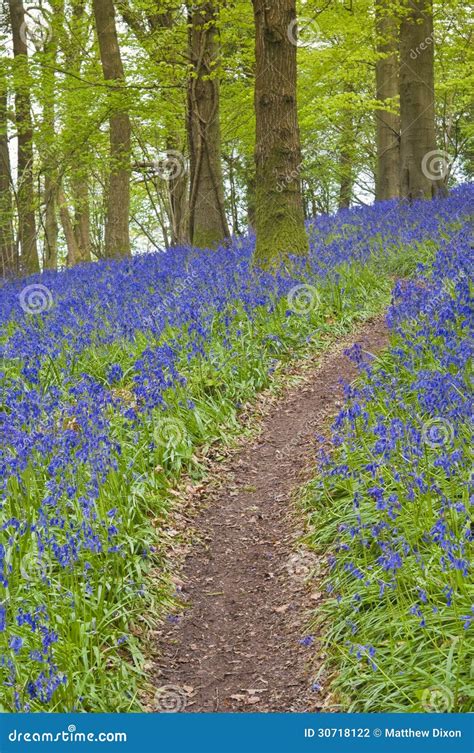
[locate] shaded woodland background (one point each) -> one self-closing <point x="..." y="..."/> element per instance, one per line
<point x="134" y="125"/>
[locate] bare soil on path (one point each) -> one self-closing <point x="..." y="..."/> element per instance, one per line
<point x="246" y="595"/>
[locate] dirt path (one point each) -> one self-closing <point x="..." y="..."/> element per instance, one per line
<point x="237" y="645"/>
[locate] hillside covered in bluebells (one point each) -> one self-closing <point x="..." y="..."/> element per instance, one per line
<point x="236" y="244"/>
<point x="113" y="375"/>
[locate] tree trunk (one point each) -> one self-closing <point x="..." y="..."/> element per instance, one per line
<point x="82" y="234"/>
<point x="207" y="219"/>
<point x="279" y="220"/>
<point x="387" y="122"/>
<point x="73" y="254"/>
<point x="49" y="160"/>
<point x="8" y="260"/>
<point x="178" y="202"/>
<point x="29" y="262"/>
<point x="346" y="155"/>
<point x="79" y="171"/>
<point x="50" y="225"/>
<point x="249" y="177"/>
<point x="233" y="194"/>
<point x="117" y="238"/>
<point x="418" y="177"/>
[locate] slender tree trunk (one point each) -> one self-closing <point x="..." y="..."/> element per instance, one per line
<point x="346" y="155"/>
<point x="50" y="225"/>
<point x="178" y="184"/>
<point x="29" y="262"/>
<point x="50" y="168"/>
<point x="8" y="260"/>
<point x="73" y="254"/>
<point x="82" y="233"/>
<point x="279" y="217"/>
<point x="233" y="194"/>
<point x="417" y="113"/>
<point x="117" y="238"/>
<point x="249" y="167"/>
<point x="178" y="202"/>
<point x="208" y="223"/>
<point x="79" y="171"/>
<point x="387" y="121"/>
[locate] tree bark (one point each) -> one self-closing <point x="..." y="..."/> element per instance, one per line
<point x="73" y="253"/>
<point x="178" y="202"/>
<point x="117" y="238"/>
<point x="279" y="217"/>
<point x="79" y="172"/>
<point x="346" y="154"/>
<point x="29" y="261"/>
<point x="50" y="226"/>
<point x="49" y="160"/>
<point x="387" y="90"/>
<point x="417" y="113"/>
<point x="207" y="218"/>
<point x="8" y="259"/>
<point x="82" y="233"/>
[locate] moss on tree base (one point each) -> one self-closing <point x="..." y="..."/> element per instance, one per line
<point x="280" y="231"/>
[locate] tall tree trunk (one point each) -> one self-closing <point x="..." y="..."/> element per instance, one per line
<point x="231" y="160"/>
<point x="387" y="89"/>
<point x="178" y="183"/>
<point x="73" y="254"/>
<point x="79" y="171"/>
<point x="417" y="113"/>
<point x="249" y="173"/>
<point x="49" y="160"/>
<point x="50" y="224"/>
<point x="8" y="260"/>
<point x="279" y="220"/>
<point x="208" y="223"/>
<point x="178" y="202"/>
<point x="346" y="154"/>
<point x="117" y="237"/>
<point x="82" y="233"/>
<point x="29" y="262"/>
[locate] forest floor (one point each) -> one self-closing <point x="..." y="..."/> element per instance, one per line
<point x="248" y="584"/>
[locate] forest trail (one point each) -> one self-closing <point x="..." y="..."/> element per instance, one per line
<point x="237" y="646"/>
